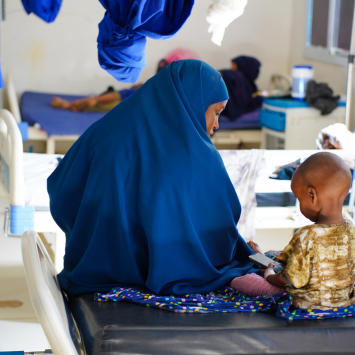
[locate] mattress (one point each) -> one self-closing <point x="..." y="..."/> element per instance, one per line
<point x="124" y="328"/>
<point x="248" y="121"/>
<point x="35" y="108"/>
<point x="36" y="170"/>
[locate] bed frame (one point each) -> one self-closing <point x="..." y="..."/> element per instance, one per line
<point x="34" y="134"/>
<point x="234" y="138"/>
<point x="19" y="218"/>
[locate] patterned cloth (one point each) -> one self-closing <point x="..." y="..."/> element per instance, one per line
<point x="320" y="266"/>
<point x="222" y="301"/>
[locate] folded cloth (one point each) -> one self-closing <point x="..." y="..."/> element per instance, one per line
<point x="221" y="14"/>
<point x="336" y="136"/>
<point x="321" y="97"/>
<point x="47" y="10"/>
<point x="225" y="300"/>
<point x="125" y="26"/>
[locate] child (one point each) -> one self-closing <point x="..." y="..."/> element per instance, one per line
<point x="319" y="268"/>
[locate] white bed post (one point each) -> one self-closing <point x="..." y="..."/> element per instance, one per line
<point x="349" y="88"/>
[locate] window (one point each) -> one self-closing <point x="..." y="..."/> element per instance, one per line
<point x="329" y="28"/>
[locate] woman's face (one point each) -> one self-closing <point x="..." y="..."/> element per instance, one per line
<point x="212" y="115"/>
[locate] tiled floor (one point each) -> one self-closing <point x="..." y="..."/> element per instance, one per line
<point x="19" y="328"/>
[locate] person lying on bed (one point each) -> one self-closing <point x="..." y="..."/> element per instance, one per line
<point x="111" y="98"/>
<point x="103" y="103"/>
<point x="240" y="82"/>
<point x="319" y="266"/>
<point x="143" y="195"/>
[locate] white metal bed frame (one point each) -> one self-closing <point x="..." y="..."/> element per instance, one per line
<point x="11" y="153"/>
<point x="34" y="134"/>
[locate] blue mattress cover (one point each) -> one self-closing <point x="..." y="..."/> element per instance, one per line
<point x="35" y="108"/>
<point x="247" y="121"/>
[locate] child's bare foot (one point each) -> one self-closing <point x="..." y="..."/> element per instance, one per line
<point x="81" y="105"/>
<point x="57" y="102"/>
<point x="255" y="247"/>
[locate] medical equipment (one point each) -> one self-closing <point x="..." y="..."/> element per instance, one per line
<point x="23" y="179"/>
<point x="74" y="323"/>
<point x="301" y="75"/>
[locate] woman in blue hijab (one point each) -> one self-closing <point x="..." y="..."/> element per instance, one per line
<point x="143" y="195"/>
<point x="240" y="82"/>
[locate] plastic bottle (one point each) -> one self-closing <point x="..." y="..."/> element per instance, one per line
<point x="301" y="75"/>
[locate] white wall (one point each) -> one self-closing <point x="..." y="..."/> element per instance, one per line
<point x="62" y="56"/>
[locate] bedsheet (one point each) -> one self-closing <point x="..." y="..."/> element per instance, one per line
<point x="36" y="169"/>
<point x="278" y="193"/>
<point x="35" y="108"/>
<point x="248" y="121"/>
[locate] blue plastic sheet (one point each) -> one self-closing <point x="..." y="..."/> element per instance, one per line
<point x="125" y="26"/>
<point x="47" y="10"/>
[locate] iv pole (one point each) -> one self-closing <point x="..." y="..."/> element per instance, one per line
<point x="351" y="58"/>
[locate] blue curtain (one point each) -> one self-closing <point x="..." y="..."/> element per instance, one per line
<point x="47" y="10"/>
<point x="125" y="26"/>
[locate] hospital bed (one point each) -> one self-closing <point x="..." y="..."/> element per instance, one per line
<point x="39" y="121"/>
<point x="244" y="130"/>
<point x="78" y="325"/>
<point x="23" y="181"/>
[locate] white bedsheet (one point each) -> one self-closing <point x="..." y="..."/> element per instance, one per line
<point x="36" y="169"/>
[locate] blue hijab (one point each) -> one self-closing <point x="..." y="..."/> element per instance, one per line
<point x="241" y="87"/>
<point x="144" y="198"/>
<point x="47" y="10"/>
<point x="125" y="26"/>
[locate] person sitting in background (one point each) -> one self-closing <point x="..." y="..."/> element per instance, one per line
<point x="102" y="103"/>
<point x="319" y="266"/>
<point x="240" y="82"/>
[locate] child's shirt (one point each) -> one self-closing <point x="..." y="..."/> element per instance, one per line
<point x="320" y="267"/>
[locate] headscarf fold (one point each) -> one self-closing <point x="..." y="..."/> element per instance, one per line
<point x="47" y="10"/>
<point x="144" y="198"/>
<point x="241" y="87"/>
<point x="125" y="26"/>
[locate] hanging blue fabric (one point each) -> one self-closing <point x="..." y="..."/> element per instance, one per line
<point x="125" y="26"/>
<point x="144" y="198"/>
<point x="47" y="10"/>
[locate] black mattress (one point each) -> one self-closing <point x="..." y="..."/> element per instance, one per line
<point x="125" y="328"/>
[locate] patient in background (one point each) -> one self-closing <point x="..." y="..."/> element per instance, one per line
<point x="102" y="103"/>
<point x="319" y="267"/>
<point x="240" y="81"/>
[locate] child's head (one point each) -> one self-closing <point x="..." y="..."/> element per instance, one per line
<point x="321" y="184"/>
